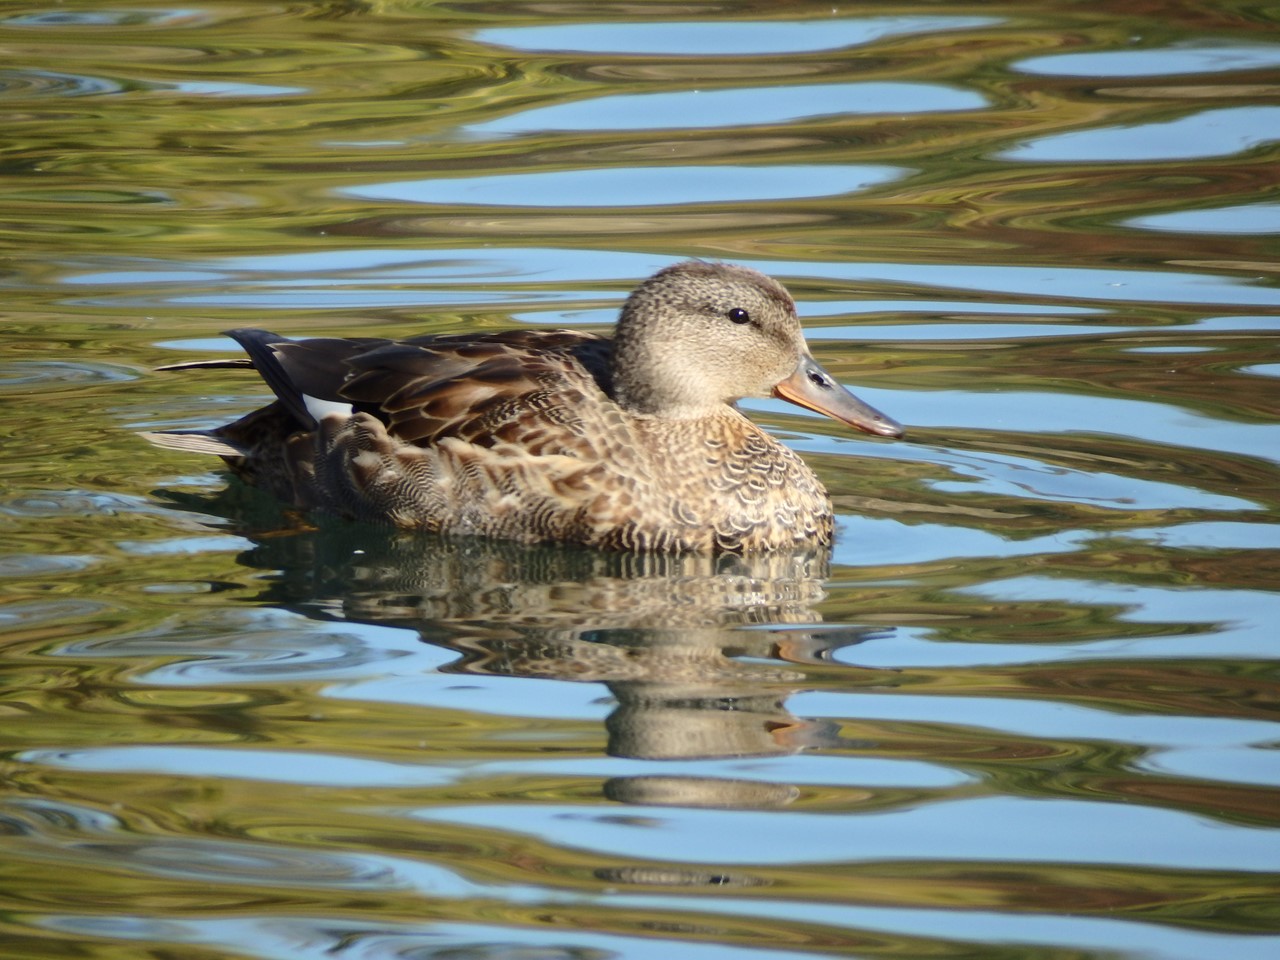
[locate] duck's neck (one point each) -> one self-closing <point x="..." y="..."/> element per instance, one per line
<point x="655" y="383"/>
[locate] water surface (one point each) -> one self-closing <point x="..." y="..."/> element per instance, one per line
<point x="1027" y="707"/>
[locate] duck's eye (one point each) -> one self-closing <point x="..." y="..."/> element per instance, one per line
<point x="738" y="315"/>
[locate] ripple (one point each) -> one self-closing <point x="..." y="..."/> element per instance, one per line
<point x="813" y="769"/>
<point x="121" y="928"/>
<point x="881" y="541"/>
<point x="1169" y="349"/>
<point x="47" y="83"/>
<point x="35" y="612"/>
<point x="227" y="89"/>
<point x="722" y="38"/>
<point x="1023" y="478"/>
<point x="1241" y="621"/>
<point x="266" y="649"/>
<point x="87" y="835"/>
<point x="1184" y="430"/>
<point x="275" y="766"/>
<point x="183" y="16"/>
<point x="28" y="376"/>
<point x="1211" y="535"/>
<point x="1259" y="764"/>
<point x="1025" y="719"/>
<point x="636" y="186"/>
<point x="728" y="108"/>
<point x="1248" y="218"/>
<point x="521" y="277"/>
<point x="984" y="830"/>
<point x="35" y="816"/>
<point x="17" y="565"/>
<point x="456" y="269"/>
<point x="1200" y="57"/>
<point x="184" y="546"/>
<point x="258" y="934"/>
<point x="1262" y="370"/>
<point x="56" y="503"/>
<point x="86" y="194"/>
<point x="198" y="345"/>
<point x="228" y="861"/>
<point x="478" y="274"/>
<point x="1211" y="133"/>
<point x="914" y="650"/>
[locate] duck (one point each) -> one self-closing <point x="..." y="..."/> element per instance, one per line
<point x="633" y="442"/>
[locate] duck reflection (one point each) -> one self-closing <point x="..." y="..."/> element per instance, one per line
<point x="699" y="652"/>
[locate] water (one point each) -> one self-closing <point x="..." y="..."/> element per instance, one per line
<point x="1028" y="706"/>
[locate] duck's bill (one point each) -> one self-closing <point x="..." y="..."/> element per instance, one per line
<point x="815" y="389"/>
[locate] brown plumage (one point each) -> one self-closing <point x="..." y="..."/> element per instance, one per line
<point x="632" y="443"/>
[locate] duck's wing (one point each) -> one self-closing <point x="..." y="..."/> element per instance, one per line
<point x="482" y="389"/>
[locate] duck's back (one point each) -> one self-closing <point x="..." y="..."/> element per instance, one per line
<point x="536" y="389"/>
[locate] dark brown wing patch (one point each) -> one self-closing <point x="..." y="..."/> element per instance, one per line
<point x="483" y="390"/>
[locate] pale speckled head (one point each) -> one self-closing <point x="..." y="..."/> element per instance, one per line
<point x="698" y="335"/>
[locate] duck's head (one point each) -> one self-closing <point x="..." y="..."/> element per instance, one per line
<point x="698" y="335"/>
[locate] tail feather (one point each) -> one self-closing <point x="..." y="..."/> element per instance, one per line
<point x="193" y="442"/>
<point x="263" y="349"/>
<point x="224" y="364"/>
